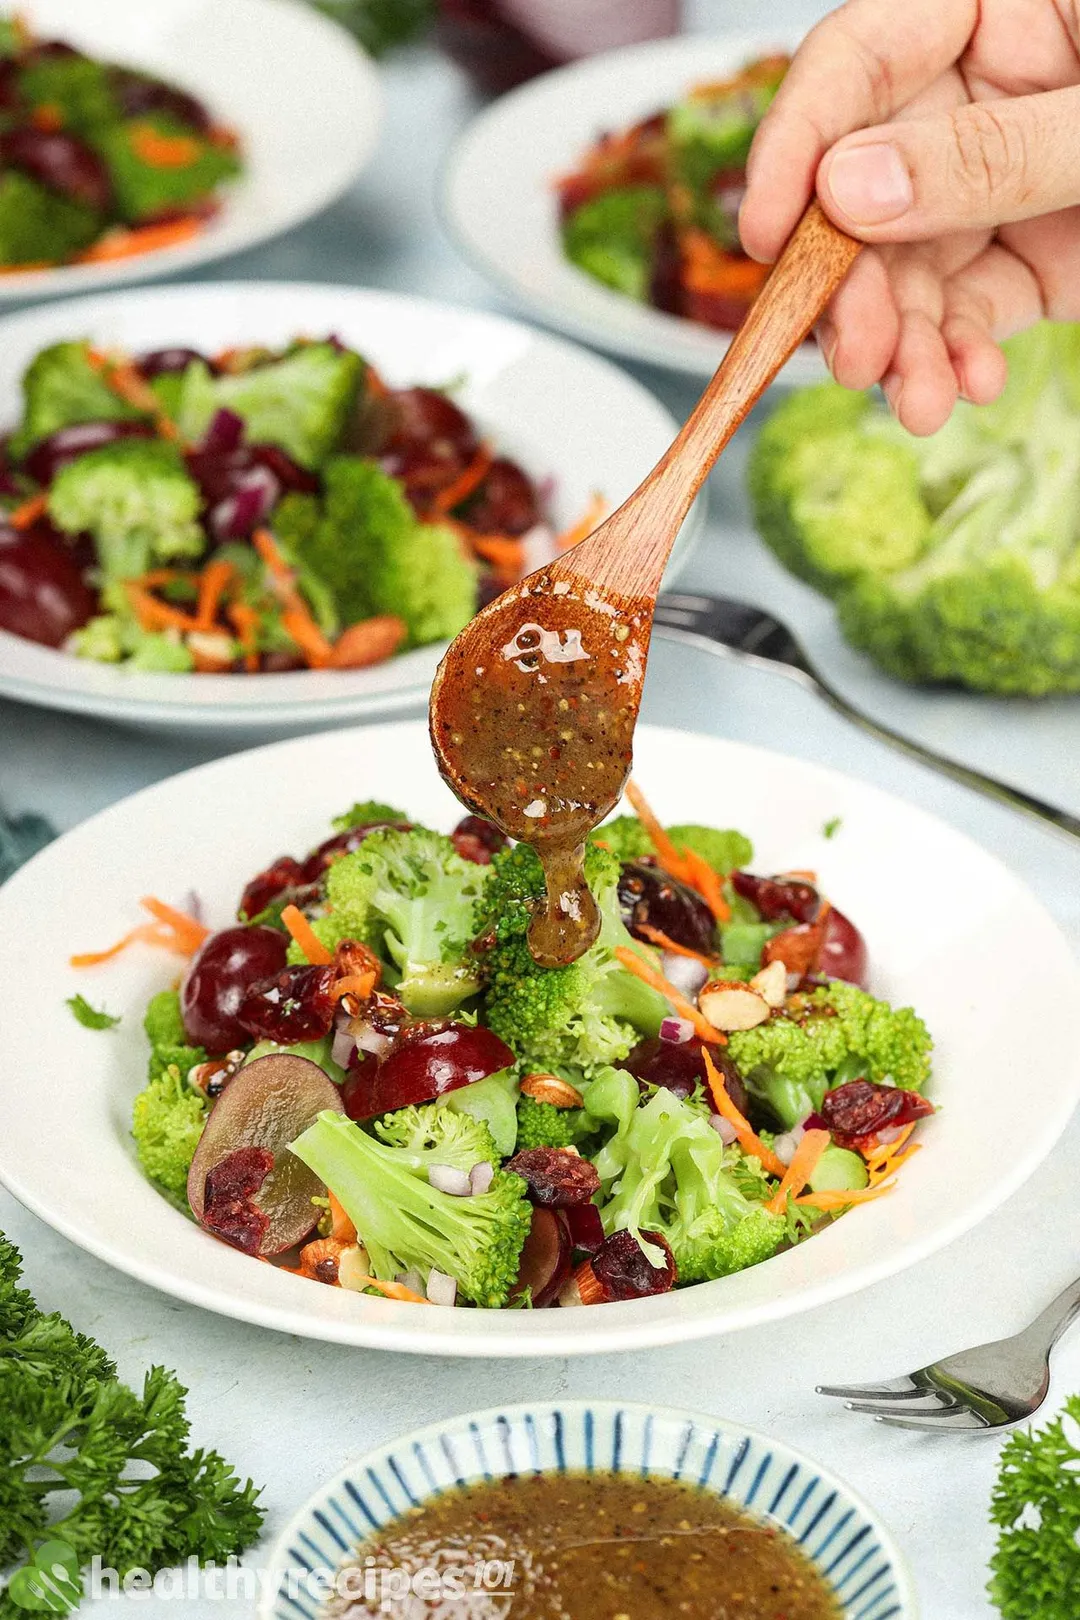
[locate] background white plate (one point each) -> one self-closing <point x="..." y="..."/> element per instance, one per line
<point x="566" y="414"/>
<point x="499" y="200"/>
<point x="950" y="930"/>
<point x="301" y="94"/>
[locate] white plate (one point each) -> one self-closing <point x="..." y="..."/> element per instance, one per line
<point x="303" y="97"/>
<point x="499" y="199"/>
<point x="950" y="930"/>
<point x="567" y="415"/>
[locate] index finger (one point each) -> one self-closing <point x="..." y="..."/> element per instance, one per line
<point x="859" y="66"/>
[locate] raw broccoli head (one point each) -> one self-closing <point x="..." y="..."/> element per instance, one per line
<point x="144" y="189"/>
<point x="167" y="1120"/>
<point x="624" y="836"/>
<point x="541" y="1124"/>
<point x="300" y="401"/>
<point x="368" y="813"/>
<point x="61" y="388"/>
<point x="664" y="1169"/>
<point x="789" y="1062"/>
<point x="407" y="1224"/>
<point x="77" y="87"/>
<point x="570" y="1018"/>
<point x="612" y="236"/>
<point x="412" y="898"/>
<point x="725" y="849"/>
<point x="954" y="558"/>
<point x="38" y="226"/>
<point x="435" y="1134"/>
<point x="169" y="1044"/>
<point x="136" y="499"/>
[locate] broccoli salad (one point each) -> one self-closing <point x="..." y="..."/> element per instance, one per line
<point x="99" y="162"/>
<point x="368" y="1080"/>
<point x="253" y="510"/>
<point x="653" y="211"/>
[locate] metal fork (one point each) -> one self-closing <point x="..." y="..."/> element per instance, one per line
<point x="750" y="635"/>
<point x="991" y="1387"/>
<point x="21" y="837"/>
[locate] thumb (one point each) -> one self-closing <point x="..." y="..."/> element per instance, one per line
<point x="986" y="164"/>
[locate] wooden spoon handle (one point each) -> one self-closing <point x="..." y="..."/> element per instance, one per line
<point x="817" y="258"/>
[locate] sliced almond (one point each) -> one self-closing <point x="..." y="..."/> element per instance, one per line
<point x="730" y="1005"/>
<point x="550" y="1089"/>
<point x="771" y="983"/>
<point x="354" y="1268"/>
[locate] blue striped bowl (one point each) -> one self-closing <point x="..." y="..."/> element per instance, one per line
<point x="838" y="1531"/>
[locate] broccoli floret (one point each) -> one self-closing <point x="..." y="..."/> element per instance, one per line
<point x="710" y="133"/>
<point x="167" y="1120"/>
<point x="143" y="188"/>
<point x="791" y="1061"/>
<point x="435" y="1134"/>
<point x="541" y="1124"/>
<point x="954" y="558"/>
<point x="725" y="849"/>
<point x="368" y="813"/>
<point x="60" y="388"/>
<point x="169" y="1044"/>
<point x="112" y="637"/>
<point x="612" y="237"/>
<point x="375" y="556"/>
<point x="1035" y="1570"/>
<point x="38" y="226"/>
<point x="137" y="500"/>
<point x="77" y="87"/>
<point x="570" y="1018"/>
<point x="412" y="898"/>
<point x="405" y="1223"/>
<point x="666" y="1170"/>
<point x="624" y="836"/>
<point x="300" y="402"/>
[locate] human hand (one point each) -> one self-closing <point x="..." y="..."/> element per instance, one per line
<point x="947" y="134"/>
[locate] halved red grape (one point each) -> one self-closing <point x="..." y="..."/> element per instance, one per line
<point x="649" y="898"/>
<point x="586" y="1227"/>
<point x="506" y="502"/>
<point x="624" y="1271"/>
<point x="843" y="953"/>
<point x="67" y="444"/>
<point x="220" y="975"/>
<point x="477" y="839"/>
<point x="427" y="1062"/>
<point x="293" y="1005"/>
<point x="680" y="1067"/>
<point x="428" y="416"/>
<point x="60" y="162"/>
<point x="555" y="1177"/>
<point x="282" y="874"/>
<point x="138" y="94"/>
<point x="545" y="1258"/>
<point x="777" y="898"/>
<point x="43" y="595"/>
<point x="265" y="1107"/>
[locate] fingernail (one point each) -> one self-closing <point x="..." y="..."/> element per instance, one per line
<point x="827" y="338"/>
<point x="892" y="387"/>
<point x="870" y="184"/>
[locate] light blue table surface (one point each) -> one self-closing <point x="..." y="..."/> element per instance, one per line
<point x="289" y="1411"/>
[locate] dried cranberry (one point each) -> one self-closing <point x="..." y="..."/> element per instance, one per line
<point x="778" y="898"/>
<point x="428" y="416"/>
<point x="229" y="1210"/>
<point x="506" y="502"/>
<point x="295" y="1005"/>
<point x="343" y="843"/>
<point x="67" y="444"/>
<point x="680" y="1067"/>
<point x="623" y="1270"/>
<point x="862" y="1109"/>
<point x="282" y="874"/>
<point x="43" y="595"/>
<point x="60" y="162"/>
<point x="477" y="839"/>
<point x="430" y="1060"/>
<point x="555" y="1178"/>
<point x="545" y="1258"/>
<point x="649" y="898"/>
<point x="586" y="1227"/>
<point x="224" y="969"/>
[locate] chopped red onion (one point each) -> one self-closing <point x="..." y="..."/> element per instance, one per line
<point x="540" y="546"/>
<point x="676" y="1031"/>
<point x="441" y="1289"/>
<point x="480" y="1177"/>
<point x="369" y="1039"/>
<point x="411" y="1279"/>
<point x="785" y="1146"/>
<point x="891" y="1133"/>
<point x="448" y="1178"/>
<point x="342" y="1048"/>
<point x="254" y="494"/>
<point x="684" y="972"/>
<point x="724" y="1129"/>
<point x="225" y="433"/>
<point x="192" y="905"/>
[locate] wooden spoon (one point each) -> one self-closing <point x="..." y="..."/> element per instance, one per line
<point x="534" y="705"/>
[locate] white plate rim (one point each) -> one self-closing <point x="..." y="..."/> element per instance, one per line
<point x="384" y="1325"/>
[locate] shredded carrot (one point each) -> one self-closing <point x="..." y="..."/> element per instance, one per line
<point x="707" y="267"/>
<point x="707" y="883"/>
<point x="189" y="931"/>
<point x="163" y="151"/>
<point x="359" y="985"/>
<point x="267" y="548"/>
<point x="745" y="1134"/>
<point x="656" y="936"/>
<point x="153" y="614"/>
<point x="163" y="576"/>
<point x="48" y="117"/>
<point x="245" y="621"/>
<point x="666" y="853"/>
<point x="805" y="1161"/>
<point x="686" y="1009"/>
<point x="506" y="553"/>
<point x="584" y="526"/>
<point x="27" y="264"/>
<point x="831" y="1200"/>
<point x="317" y="650"/>
<point x="213" y="582"/>
<point x="887" y="1150"/>
<point x="145" y="932"/>
<point x="466" y="483"/>
<point x="341" y="1227"/>
<point x="27" y="514"/>
<point x="124" y="243"/>
<point x="305" y="936"/>
<point x="392" y="1290"/>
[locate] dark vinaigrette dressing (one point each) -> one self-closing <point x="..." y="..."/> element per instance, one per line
<point x="582" y="1547"/>
<point x="536" y="732"/>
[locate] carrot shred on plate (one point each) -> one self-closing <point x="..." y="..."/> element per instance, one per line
<point x="745" y="1134"/>
<point x="163" y="151"/>
<point x="465" y="484"/>
<point x="664" y="942"/>
<point x="153" y="614"/>
<point x="189" y="931"/>
<point x="172" y="930"/>
<point x="305" y="936"/>
<point x="806" y="1159"/>
<point x="214" y="581"/>
<point x="28" y="512"/>
<point x="503" y="551"/>
<point x="392" y="1290"/>
<point x="128" y="243"/>
<point x="655" y="979"/>
<point x="707" y="883"/>
<point x="833" y="1200"/>
<point x="245" y="621"/>
<point x="581" y="530"/>
<point x="145" y="932"/>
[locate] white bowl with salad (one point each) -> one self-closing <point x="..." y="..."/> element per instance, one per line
<point x="264" y="505"/>
<point x="778" y="1076"/>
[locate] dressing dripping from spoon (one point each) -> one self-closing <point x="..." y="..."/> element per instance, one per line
<point x="534" y="705"/>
